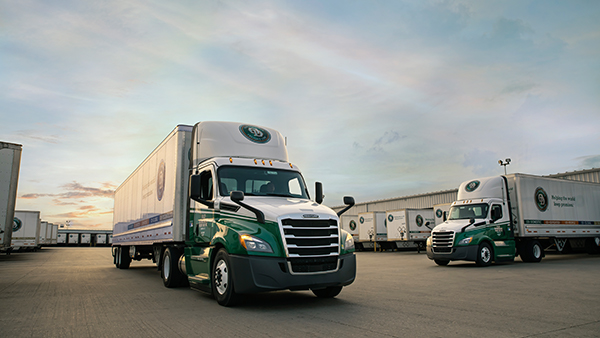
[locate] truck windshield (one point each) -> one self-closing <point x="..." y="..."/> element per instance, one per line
<point x="469" y="211"/>
<point x="261" y="182"/>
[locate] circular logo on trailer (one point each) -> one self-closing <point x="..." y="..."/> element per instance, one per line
<point x="390" y="217"/>
<point x="471" y="186"/>
<point x="419" y="220"/>
<point x="438" y="213"/>
<point x="541" y="199"/>
<point x="361" y="220"/>
<point x="17" y="224"/>
<point x="160" y="180"/>
<point x="255" y="134"/>
<point x="352" y="225"/>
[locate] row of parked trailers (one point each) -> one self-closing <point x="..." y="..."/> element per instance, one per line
<point x="30" y="232"/>
<point x="395" y="229"/>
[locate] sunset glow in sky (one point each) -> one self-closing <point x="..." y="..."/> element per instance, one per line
<point x="377" y="99"/>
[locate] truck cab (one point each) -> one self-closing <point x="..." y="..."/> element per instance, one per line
<point x="479" y="227"/>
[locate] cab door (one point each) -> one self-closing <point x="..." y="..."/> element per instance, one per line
<point x="500" y="231"/>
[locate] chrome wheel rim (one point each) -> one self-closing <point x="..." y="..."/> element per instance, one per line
<point x="221" y="278"/>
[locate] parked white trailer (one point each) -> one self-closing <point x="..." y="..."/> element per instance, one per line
<point x="44" y="234"/>
<point x="101" y="239"/>
<point x="73" y="239"/>
<point x="26" y="230"/>
<point x="498" y="218"/>
<point x="441" y="212"/>
<point x="409" y="226"/>
<point x="371" y="228"/>
<point x="54" y="234"/>
<point x="62" y="238"/>
<point x="85" y="239"/>
<point x="10" y="161"/>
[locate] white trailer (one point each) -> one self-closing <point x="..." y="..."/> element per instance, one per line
<point x="73" y="239"/>
<point x="85" y="239"/>
<point x="44" y="234"/>
<point x="498" y="218"/>
<point x="26" y="230"/>
<point x="61" y="238"/>
<point x="409" y="226"/>
<point x="10" y="161"/>
<point x="371" y="228"/>
<point x="101" y="239"/>
<point x="441" y="212"/>
<point x="54" y="234"/>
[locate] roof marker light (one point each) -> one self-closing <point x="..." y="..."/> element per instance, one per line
<point x="255" y="161"/>
<point x="271" y="163"/>
<point x="291" y="166"/>
<point x="263" y="162"/>
<point x="230" y="160"/>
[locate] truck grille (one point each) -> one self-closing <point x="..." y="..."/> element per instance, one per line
<point x="312" y="245"/>
<point x="442" y="241"/>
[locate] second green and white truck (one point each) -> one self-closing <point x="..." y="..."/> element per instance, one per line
<point x="498" y="218"/>
<point x="219" y="206"/>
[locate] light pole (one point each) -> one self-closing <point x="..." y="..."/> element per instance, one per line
<point x="504" y="164"/>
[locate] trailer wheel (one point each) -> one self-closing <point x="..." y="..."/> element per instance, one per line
<point x="222" y="280"/>
<point x="484" y="254"/>
<point x="592" y="245"/>
<point x="169" y="272"/>
<point x="441" y="262"/>
<point x="328" y="292"/>
<point x="123" y="259"/>
<point x="531" y="252"/>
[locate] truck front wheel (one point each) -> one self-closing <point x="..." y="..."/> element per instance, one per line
<point x="222" y="280"/>
<point x="484" y="254"/>
<point x="441" y="262"/>
<point x="328" y="292"/>
<point x="169" y="271"/>
<point x="531" y="252"/>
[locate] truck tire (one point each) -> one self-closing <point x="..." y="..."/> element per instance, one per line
<point x="592" y="245"/>
<point x="123" y="259"/>
<point x="222" y="280"/>
<point x="169" y="271"/>
<point x="531" y="251"/>
<point x="441" y="262"/>
<point x="328" y="292"/>
<point x="485" y="254"/>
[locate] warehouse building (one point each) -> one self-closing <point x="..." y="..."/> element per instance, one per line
<point x="428" y="200"/>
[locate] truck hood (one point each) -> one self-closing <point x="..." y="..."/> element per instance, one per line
<point x="281" y="207"/>
<point x="455" y="225"/>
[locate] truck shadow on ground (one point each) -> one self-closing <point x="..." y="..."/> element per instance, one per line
<point x="282" y="301"/>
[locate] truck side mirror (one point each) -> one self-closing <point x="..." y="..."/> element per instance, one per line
<point x="195" y="191"/>
<point x="238" y="196"/>
<point x="319" y="192"/>
<point x="349" y="202"/>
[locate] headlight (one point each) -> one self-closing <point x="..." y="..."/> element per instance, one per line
<point x="465" y="241"/>
<point x="348" y="244"/>
<point x="252" y="243"/>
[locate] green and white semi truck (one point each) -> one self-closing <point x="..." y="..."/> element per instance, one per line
<point x="498" y="218"/>
<point x="219" y="206"/>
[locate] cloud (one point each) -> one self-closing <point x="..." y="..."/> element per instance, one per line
<point x="76" y="190"/>
<point x="589" y="162"/>
<point x="85" y="211"/>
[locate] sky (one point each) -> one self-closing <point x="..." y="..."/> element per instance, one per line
<point x="377" y="99"/>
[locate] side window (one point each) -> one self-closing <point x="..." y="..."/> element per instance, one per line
<point x="496" y="212"/>
<point x="206" y="180"/>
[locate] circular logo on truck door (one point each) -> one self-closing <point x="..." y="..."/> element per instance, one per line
<point x="541" y="199"/>
<point x="255" y="134"/>
<point x="471" y="186"/>
<point x="390" y="217"/>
